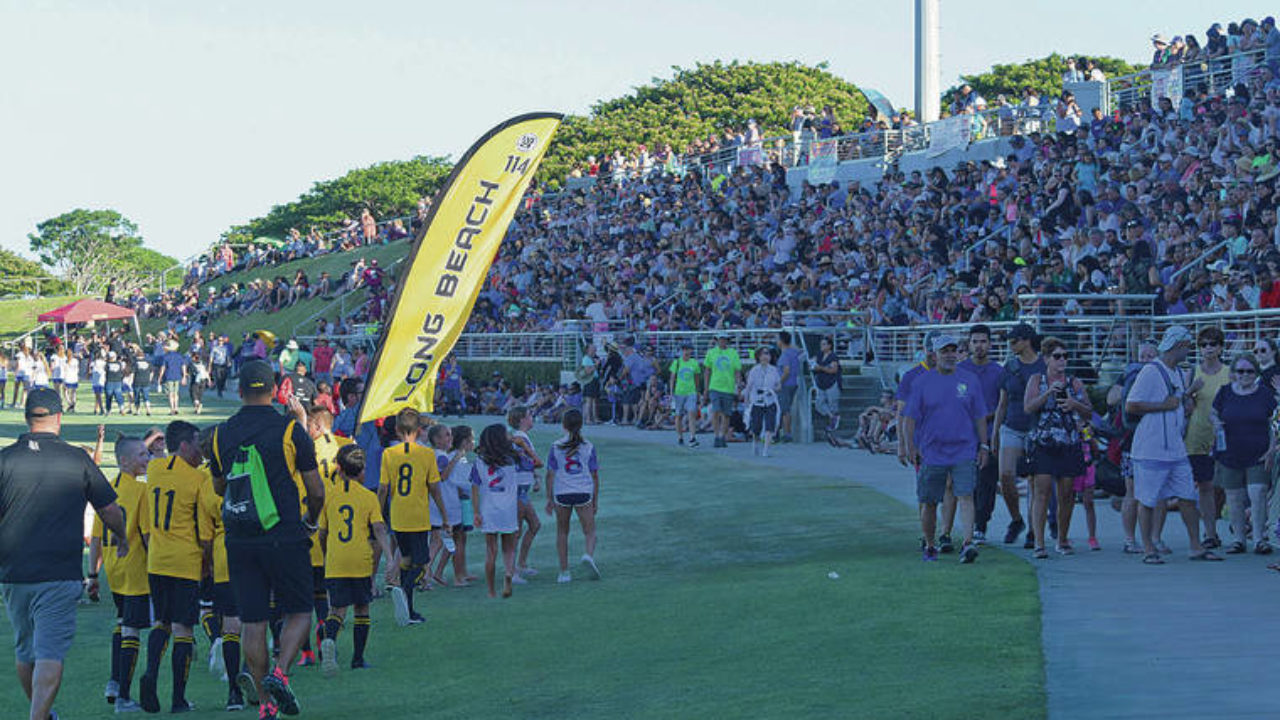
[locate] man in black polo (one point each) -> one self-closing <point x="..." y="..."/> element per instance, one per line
<point x="274" y="562"/>
<point x="44" y="485"/>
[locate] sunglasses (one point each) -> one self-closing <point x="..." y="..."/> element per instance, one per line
<point x="1246" y="371"/>
<point x="1210" y="344"/>
<point x="1058" y="356"/>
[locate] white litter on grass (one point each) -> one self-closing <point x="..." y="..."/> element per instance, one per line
<point x="833" y="575"/>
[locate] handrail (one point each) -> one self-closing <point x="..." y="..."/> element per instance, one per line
<point x="968" y="252"/>
<point x="1199" y="259"/>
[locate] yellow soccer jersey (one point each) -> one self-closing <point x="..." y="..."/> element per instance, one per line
<point x="211" y="529"/>
<point x="350" y="511"/>
<point x="327" y="447"/>
<point x="407" y="471"/>
<point x="317" y="555"/>
<point x="169" y="517"/>
<point x="126" y="575"/>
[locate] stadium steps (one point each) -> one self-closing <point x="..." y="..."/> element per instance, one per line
<point x="858" y="392"/>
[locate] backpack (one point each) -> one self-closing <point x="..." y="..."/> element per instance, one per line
<point x="248" y="507"/>
<point x="1128" y="420"/>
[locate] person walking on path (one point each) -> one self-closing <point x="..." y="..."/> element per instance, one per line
<point x="791" y="365"/>
<point x="1161" y="469"/>
<point x="761" y="394"/>
<point x="723" y="371"/>
<point x="1012" y="420"/>
<point x="1245" y="451"/>
<point x="1210" y="376"/>
<point x="684" y="396"/>
<point x="989" y="374"/>
<point x="1056" y="402"/>
<point x="44" y="485"/>
<point x="946" y="427"/>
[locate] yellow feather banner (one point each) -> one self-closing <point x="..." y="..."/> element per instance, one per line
<point x="450" y="259"/>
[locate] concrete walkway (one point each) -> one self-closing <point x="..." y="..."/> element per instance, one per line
<point x="1121" y="639"/>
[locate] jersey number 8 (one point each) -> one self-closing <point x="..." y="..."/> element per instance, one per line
<point x="404" y="485"/>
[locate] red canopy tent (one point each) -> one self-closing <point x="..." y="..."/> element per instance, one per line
<point x="87" y="310"/>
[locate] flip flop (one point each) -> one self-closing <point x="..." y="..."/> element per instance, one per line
<point x="1205" y="556"/>
<point x="1274" y="566"/>
<point x="1153" y="559"/>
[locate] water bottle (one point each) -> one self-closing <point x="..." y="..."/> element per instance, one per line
<point x="1220" y="442"/>
<point x="447" y="539"/>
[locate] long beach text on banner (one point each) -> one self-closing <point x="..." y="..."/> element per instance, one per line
<point x="450" y="259"/>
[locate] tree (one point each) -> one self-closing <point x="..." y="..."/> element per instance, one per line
<point x="20" y="276"/>
<point x="91" y="249"/>
<point x="388" y="189"/>
<point x="1044" y="74"/>
<point x="699" y="102"/>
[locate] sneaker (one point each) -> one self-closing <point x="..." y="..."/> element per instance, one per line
<point x="127" y="705"/>
<point x="328" y="657"/>
<point x="680" y="441"/>
<point x="147" y="696"/>
<point x="416" y="619"/>
<point x="1132" y="548"/>
<point x="1064" y="549"/>
<point x="564" y="577"/>
<point x="360" y="664"/>
<point x="590" y="564"/>
<point x="1030" y="542"/>
<point x="111" y="691"/>
<point x="1015" y="528"/>
<point x="518" y="579"/>
<point x="979" y="537"/>
<point x="401" y="603"/>
<point x="215" y="657"/>
<point x="1262" y="548"/>
<point x="968" y="554"/>
<point x="268" y="711"/>
<point x="1094" y="545"/>
<point x="528" y="571"/>
<point x="248" y="691"/>
<point x="1163" y="549"/>
<point x="930" y="554"/>
<point x="944" y="543"/>
<point x="1040" y="554"/>
<point x="182" y="706"/>
<point x="276" y="684"/>
<point x="693" y="442"/>
<point x="235" y="700"/>
<point x="308" y="659"/>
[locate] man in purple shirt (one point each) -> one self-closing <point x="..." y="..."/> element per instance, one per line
<point x="905" y="386"/>
<point x="791" y="365"/>
<point x="989" y="374"/>
<point x="946" y="429"/>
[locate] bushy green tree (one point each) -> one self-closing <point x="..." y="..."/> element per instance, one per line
<point x="90" y="249"/>
<point x="20" y="276"/>
<point x="698" y="102"/>
<point x="1044" y="74"/>
<point x="388" y="189"/>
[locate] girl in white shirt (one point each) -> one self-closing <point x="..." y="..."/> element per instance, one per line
<point x="493" y="482"/>
<point x="4" y="375"/>
<point x="761" y="394"/>
<point x="98" y="378"/>
<point x="519" y="422"/>
<point x="573" y="484"/>
<point x="71" y="380"/>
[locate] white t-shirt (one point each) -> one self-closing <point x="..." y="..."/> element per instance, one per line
<point x="763" y="382"/>
<point x="1159" y="434"/>
<point x="573" y="472"/>
<point x="495" y="492"/>
<point x="71" y="373"/>
<point x="98" y="371"/>
<point x="524" y="477"/>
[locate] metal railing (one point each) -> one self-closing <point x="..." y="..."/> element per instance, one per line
<point x="1214" y="75"/>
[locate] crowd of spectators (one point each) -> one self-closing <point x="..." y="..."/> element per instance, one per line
<point x="1241" y="36"/>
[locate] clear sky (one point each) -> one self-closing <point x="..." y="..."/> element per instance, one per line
<point x="189" y="117"/>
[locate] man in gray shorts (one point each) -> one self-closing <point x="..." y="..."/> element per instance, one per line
<point x="44" y="485"/>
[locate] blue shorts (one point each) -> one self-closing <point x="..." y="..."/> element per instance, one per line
<point x="97" y="388"/>
<point x="43" y="617"/>
<point x="684" y="404"/>
<point x="931" y="481"/>
<point x="73" y="385"/>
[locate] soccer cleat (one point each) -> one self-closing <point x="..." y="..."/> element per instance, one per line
<point x="944" y="543"/>
<point x="979" y="537"/>
<point x="930" y="554"/>
<point x="1015" y="529"/>
<point x="416" y="619"/>
<point x="215" y="657"/>
<point x="693" y="442"/>
<point x="518" y="579"/>
<point x="248" y="690"/>
<point x="360" y="664"/>
<point x="147" y="696"/>
<point x="308" y="659"/>
<point x="127" y="705"/>
<point x="235" y="699"/>
<point x="328" y="657"/>
<point x="968" y="554"/>
<point x="276" y="684"/>
<point x="268" y="711"/>
<point x="112" y="691"/>
<point x="564" y="577"/>
<point x="680" y="441"/>
<point x="401" y="603"/>
<point x="182" y="706"/>
<point x="590" y="564"/>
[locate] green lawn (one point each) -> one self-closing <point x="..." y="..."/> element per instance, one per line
<point x="716" y="602"/>
<point x="19" y="315"/>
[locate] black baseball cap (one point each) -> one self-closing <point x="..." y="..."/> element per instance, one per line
<point x="1022" y="331"/>
<point x="43" y="402"/>
<point x="257" y="376"/>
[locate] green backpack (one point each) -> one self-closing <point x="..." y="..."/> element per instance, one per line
<point x="248" y="508"/>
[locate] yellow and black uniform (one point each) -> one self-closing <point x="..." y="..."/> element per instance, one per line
<point x="327" y="447"/>
<point x="350" y="512"/>
<point x="174" y="556"/>
<point x="212" y="531"/>
<point x="127" y="575"/>
<point x="277" y="560"/>
<point x="408" y="471"/>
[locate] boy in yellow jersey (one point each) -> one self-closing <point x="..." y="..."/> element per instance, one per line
<point x="175" y="559"/>
<point x="127" y="575"/>
<point x="351" y="513"/>
<point x="411" y="477"/>
<point x="320" y="428"/>
<point x="213" y="542"/>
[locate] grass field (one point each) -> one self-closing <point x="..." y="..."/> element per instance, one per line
<point x="19" y="315"/>
<point x="715" y="602"/>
